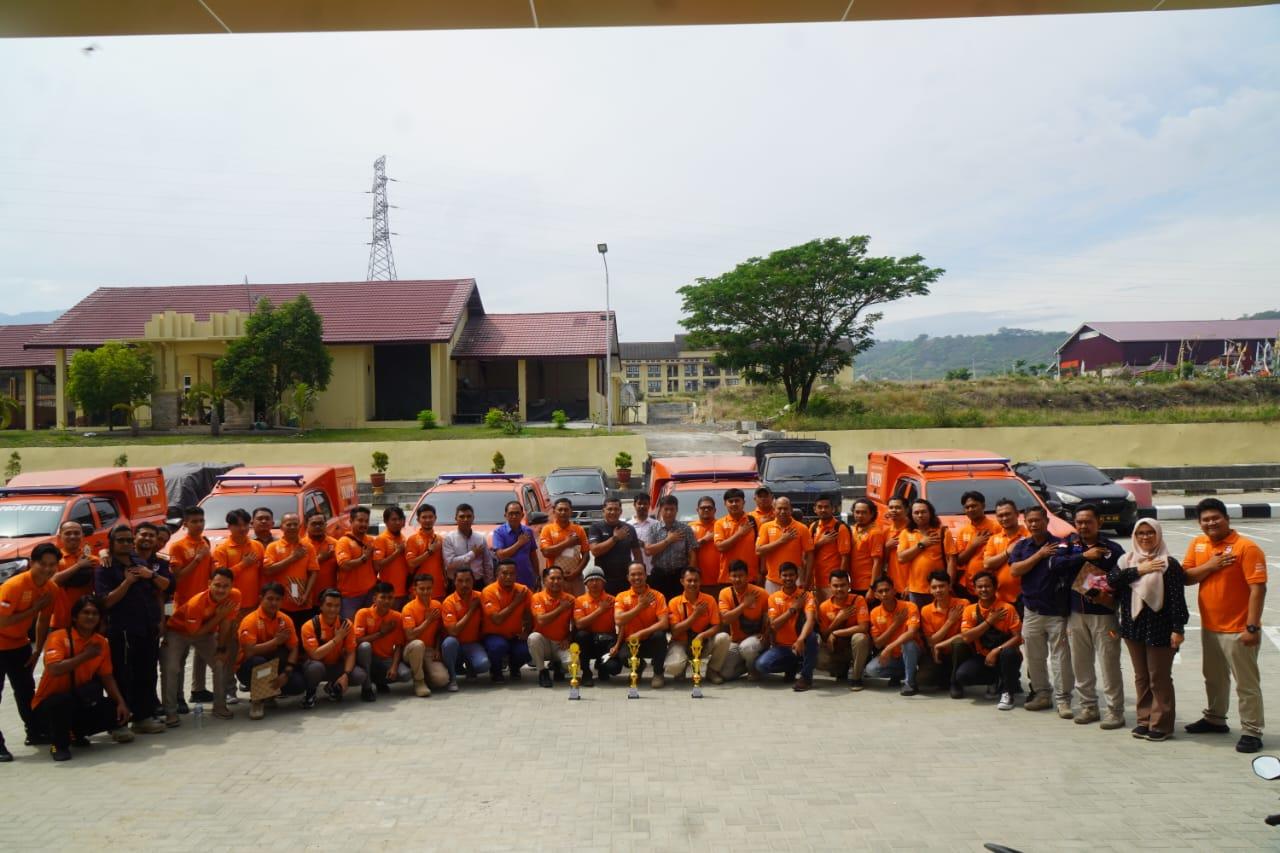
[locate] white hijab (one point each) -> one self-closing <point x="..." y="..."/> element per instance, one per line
<point x="1147" y="590"/>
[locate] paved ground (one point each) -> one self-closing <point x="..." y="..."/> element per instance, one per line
<point x="688" y="440"/>
<point x="746" y="768"/>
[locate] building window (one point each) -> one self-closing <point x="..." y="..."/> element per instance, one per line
<point x="710" y="370"/>
<point x="691" y="368"/>
<point x="633" y="371"/>
<point x="691" y="385"/>
<point x="672" y="371"/>
<point x="673" y="385"/>
<point x="655" y="387"/>
<point x="710" y="383"/>
<point x="731" y="371"/>
<point x="731" y="381"/>
<point x="655" y="371"/>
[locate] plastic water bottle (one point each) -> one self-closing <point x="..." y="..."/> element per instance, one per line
<point x="197" y="714"/>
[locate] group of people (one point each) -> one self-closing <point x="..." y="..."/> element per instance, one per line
<point x="903" y="598"/>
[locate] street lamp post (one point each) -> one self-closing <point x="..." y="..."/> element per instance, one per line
<point x="603" y="249"/>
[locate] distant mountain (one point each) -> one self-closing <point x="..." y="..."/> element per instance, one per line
<point x="29" y="317"/>
<point x="931" y="358"/>
<point x="1262" y="315"/>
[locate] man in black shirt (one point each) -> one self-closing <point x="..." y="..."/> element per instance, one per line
<point x="614" y="545"/>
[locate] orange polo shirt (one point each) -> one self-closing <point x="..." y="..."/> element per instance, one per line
<point x="1007" y="622"/>
<point x="867" y="545"/>
<point x="229" y="554"/>
<point x="744" y="549"/>
<point x="368" y="622"/>
<point x="190" y="615"/>
<point x="553" y="534"/>
<point x="753" y="612"/>
<point x="1224" y="595"/>
<point x="762" y="517"/>
<point x="626" y="601"/>
<point x="897" y="572"/>
<point x="257" y="628"/>
<point x="454" y="610"/>
<point x="17" y="594"/>
<point x="311" y="642"/>
<point x="680" y="609"/>
<point x="72" y="594"/>
<point x="59" y="648"/>
<point x="415" y="613"/>
<point x="792" y="552"/>
<point x="496" y="599"/>
<point x="327" y="569"/>
<point x="707" y="558"/>
<point x="584" y="605"/>
<point x="931" y="559"/>
<point x="778" y="604"/>
<point x="361" y="579"/>
<point x="1008" y="588"/>
<point x="557" y="629"/>
<point x="828" y="610"/>
<point x="882" y="619"/>
<point x="964" y="537"/>
<point x="396" y="572"/>
<point x="932" y="618"/>
<point x="294" y="576"/>
<point x="434" y="564"/>
<point x="827" y="558"/>
<point x="195" y="581"/>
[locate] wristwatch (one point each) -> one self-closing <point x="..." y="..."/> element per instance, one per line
<point x="1252" y="629"/>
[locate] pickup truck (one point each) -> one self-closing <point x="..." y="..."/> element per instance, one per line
<point x="330" y="489"/>
<point x="796" y="468"/>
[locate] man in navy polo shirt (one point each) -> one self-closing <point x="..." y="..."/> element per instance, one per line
<point x="1044" y="620"/>
<point x="517" y="542"/>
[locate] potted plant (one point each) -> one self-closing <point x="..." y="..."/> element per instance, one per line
<point x="378" y="479"/>
<point x="622" y="462"/>
<point x="499" y="463"/>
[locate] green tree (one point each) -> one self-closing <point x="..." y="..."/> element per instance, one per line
<point x="114" y="374"/>
<point x="9" y="408"/>
<point x="281" y="348"/>
<point x="960" y="374"/>
<point x="800" y="313"/>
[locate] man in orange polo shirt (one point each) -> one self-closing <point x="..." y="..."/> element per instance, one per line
<point x="845" y="627"/>
<point x="422" y="619"/>
<point x="743" y="608"/>
<point x="735" y="537"/>
<point x="1232" y="573"/>
<point x="75" y="570"/>
<point x="564" y="544"/>
<point x="379" y="631"/>
<point x="641" y="612"/>
<point x="26" y="599"/>
<point x="995" y="556"/>
<point x="895" y="631"/>
<point x="424" y="552"/>
<point x="866" y="557"/>
<point x="390" y="559"/>
<point x="207" y="623"/>
<point x="463" y="612"/>
<point x="924" y="547"/>
<point x="940" y="626"/>
<point x="356" y="573"/>
<point x="191" y="564"/>
<point x="329" y="642"/>
<point x="593" y="628"/>
<point x="971" y="541"/>
<point x="793" y="623"/>
<point x="894" y="525"/>
<point x="765" y="510"/>
<point x="267" y="634"/>
<point x="832" y="544"/>
<point x="988" y="651"/>
<point x="552" y="623"/>
<point x="694" y="614"/>
<point x="707" y="558"/>
<point x="243" y="556"/>
<point x="325" y="547"/>
<point x="784" y="540"/>
<point x="507" y="619"/>
<point x="291" y="562"/>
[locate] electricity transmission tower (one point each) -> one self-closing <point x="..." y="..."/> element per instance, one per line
<point x="382" y="264"/>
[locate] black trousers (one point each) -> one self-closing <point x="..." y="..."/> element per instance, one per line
<point x="13" y="668"/>
<point x="667" y="582"/>
<point x="653" y="647"/>
<point x="593" y="646"/>
<point x="968" y="667"/>
<point x="294" y="684"/>
<point x="61" y="714"/>
<point x="136" y="661"/>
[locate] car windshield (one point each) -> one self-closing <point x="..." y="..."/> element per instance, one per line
<point x="490" y="506"/>
<point x="575" y="484"/>
<point x="799" y="468"/>
<point x="22" y="520"/>
<point x="689" y="496"/>
<point x="216" y="507"/>
<point x="945" y="494"/>
<point x="1076" y="475"/>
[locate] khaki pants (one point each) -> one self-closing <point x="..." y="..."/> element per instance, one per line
<point x="742" y="657"/>
<point x="174" y="652"/>
<point x="1091" y="636"/>
<point x="1225" y="658"/>
<point x="543" y="649"/>
<point x="425" y="664"/>
<point x="714" y="655"/>
<point x="854" y="650"/>
<point x="1048" y="656"/>
<point x="1153" y="681"/>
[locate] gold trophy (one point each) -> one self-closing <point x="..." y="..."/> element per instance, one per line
<point x="574" y="671"/>
<point x="696" y="648"/>
<point x="634" y="644"/>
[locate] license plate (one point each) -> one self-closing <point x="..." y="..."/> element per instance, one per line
<point x="1111" y="519"/>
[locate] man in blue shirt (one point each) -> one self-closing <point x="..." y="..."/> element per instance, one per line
<point x="516" y="541"/>
<point x="1044" y="620"/>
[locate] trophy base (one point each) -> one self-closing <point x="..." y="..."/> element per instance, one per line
<point x="574" y="693"/>
<point x="697" y="693"/>
<point x="633" y="693"/>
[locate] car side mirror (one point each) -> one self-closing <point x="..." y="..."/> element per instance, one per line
<point x="87" y="530"/>
<point x="537" y="518"/>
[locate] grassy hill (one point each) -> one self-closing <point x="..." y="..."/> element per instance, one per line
<point x="930" y="358"/>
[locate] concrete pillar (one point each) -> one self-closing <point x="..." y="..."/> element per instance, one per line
<point x="593" y="391"/>
<point x="522" y="388"/>
<point x="164" y="409"/>
<point x="440" y="393"/>
<point x="237" y="417"/>
<point x="29" y="387"/>
<point x="60" y="387"/>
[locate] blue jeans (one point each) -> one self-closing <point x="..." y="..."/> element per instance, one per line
<point x="512" y="650"/>
<point x="782" y="659"/>
<point x="352" y="603"/>
<point x="472" y="653"/>
<point x="904" y="666"/>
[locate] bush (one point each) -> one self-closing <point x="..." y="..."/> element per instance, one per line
<point x="380" y="461"/>
<point x="427" y="419"/>
<point x="622" y="460"/>
<point x="494" y="417"/>
<point x="499" y="463"/>
<point x="560" y="418"/>
<point x="122" y="461"/>
<point x="13" y="467"/>
<point x="507" y="421"/>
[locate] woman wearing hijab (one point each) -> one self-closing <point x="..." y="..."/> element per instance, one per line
<point x="1153" y="614"/>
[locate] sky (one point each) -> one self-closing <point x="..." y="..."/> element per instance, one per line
<point x="1061" y="169"/>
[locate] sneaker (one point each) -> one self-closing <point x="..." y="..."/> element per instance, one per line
<point x="802" y="684"/>
<point x="453" y="687"/>
<point x="908" y="690"/>
<point x="1248" y="743"/>
<point x="183" y="707"/>
<point x="60" y="753"/>
<point x="1204" y="727"/>
<point x="1156" y="737"/>
<point x="544" y="678"/>
<point x="171" y="721"/>
<point x="857" y="686"/>
<point x="309" y="700"/>
<point x="993" y="690"/>
<point x="256" y="711"/>
<point x="201" y="696"/>
<point x="715" y="677"/>
<point x="1112" y="721"/>
<point x="233" y="699"/>
<point x="657" y="681"/>
<point x="1005" y="703"/>
<point x="122" y="735"/>
<point x="368" y="694"/>
<point x="148" y="726"/>
<point x="1085" y="717"/>
<point x="5" y="755"/>
<point x="421" y="690"/>
<point x="1037" y="702"/>
<point x="1140" y="732"/>
<point x="333" y="692"/>
<point x="957" y="692"/>
<point x="1064" y="710"/>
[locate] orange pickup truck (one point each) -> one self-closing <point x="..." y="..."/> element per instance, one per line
<point x="33" y="507"/>
<point x="303" y="489"/>
<point x="691" y="477"/>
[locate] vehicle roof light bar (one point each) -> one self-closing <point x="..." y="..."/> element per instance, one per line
<point x="296" y="479"/>
<point x="39" y="490"/>
<point x="452" y="478"/>
<point x="951" y="463"/>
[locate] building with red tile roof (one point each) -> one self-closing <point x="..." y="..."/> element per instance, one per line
<point x="1237" y="345"/>
<point x="27" y="376"/>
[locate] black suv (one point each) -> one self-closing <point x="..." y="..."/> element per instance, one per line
<point x="1069" y="484"/>
<point x="585" y="489"/>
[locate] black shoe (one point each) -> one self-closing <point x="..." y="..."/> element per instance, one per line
<point x="63" y="754"/>
<point x="957" y="692"/>
<point x="384" y="687"/>
<point x="1156" y="737"/>
<point x="37" y="740"/>
<point x="81" y="741"/>
<point x="334" y="693"/>
<point x="1248" y="743"/>
<point x="201" y="696"/>
<point x="368" y="694"/>
<point x="908" y="690"/>
<point x="603" y="676"/>
<point x="586" y="679"/>
<point x="1140" y="732"/>
<point x="309" y="700"/>
<point x="183" y="708"/>
<point x="790" y="675"/>
<point x="515" y="673"/>
<point x="544" y="678"/>
<point x="497" y="677"/>
<point x="5" y="755"/>
<point x="1204" y="727"/>
<point x="558" y="673"/>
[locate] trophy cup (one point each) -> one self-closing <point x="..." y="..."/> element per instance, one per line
<point x="574" y="671"/>
<point x="634" y="645"/>
<point x="696" y="648"/>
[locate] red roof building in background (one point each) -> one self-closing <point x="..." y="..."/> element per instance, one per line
<point x="27" y="376"/>
<point x="1239" y="346"/>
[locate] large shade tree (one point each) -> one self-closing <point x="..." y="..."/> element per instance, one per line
<point x="800" y="313"/>
<point x="113" y="377"/>
<point x="281" y="348"/>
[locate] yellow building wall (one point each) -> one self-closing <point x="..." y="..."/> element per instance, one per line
<point x="348" y="401"/>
